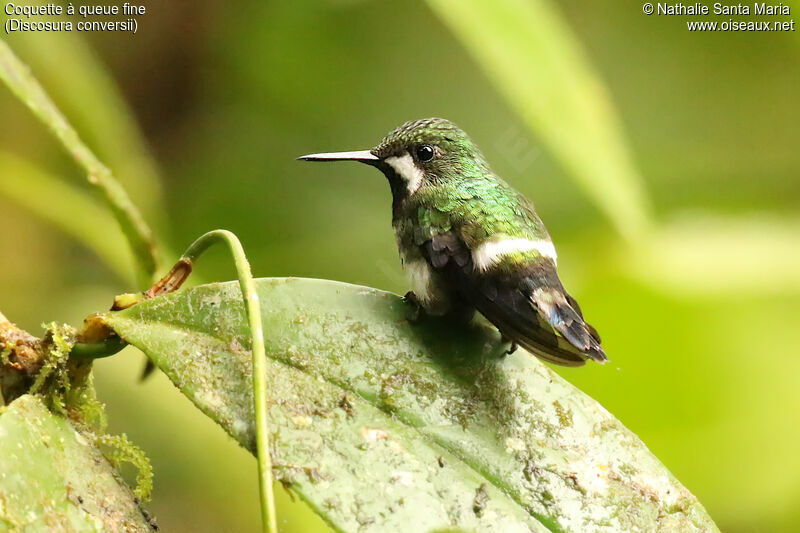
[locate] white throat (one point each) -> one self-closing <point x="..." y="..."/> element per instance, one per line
<point x="410" y="173"/>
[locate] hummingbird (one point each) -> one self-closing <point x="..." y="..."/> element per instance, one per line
<point x="468" y="241"/>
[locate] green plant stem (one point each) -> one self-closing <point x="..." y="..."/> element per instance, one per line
<point x="73" y="211"/>
<point x="69" y="61"/>
<point x="98" y="350"/>
<point x="16" y="75"/>
<point x="253" y="309"/>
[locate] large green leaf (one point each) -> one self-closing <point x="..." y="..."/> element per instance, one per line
<point x="385" y="425"/>
<point x="52" y="479"/>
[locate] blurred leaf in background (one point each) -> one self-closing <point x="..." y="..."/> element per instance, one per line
<point x="699" y="318"/>
<point x="537" y="63"/>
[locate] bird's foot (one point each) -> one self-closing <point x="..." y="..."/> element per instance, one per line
<point x="512" y="347"/>
<point x="415" y="313"/>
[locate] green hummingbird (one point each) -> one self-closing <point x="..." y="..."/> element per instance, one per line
<point x="468" y="241"/>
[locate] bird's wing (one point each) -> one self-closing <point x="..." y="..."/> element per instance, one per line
<point x="512" y="305"/>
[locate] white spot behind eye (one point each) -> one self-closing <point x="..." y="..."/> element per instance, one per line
<point x="407" y="170"/>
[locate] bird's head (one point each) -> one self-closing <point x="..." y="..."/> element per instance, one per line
<point x="419" y="153"/>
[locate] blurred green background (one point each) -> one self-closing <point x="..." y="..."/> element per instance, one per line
<point x="683" y="248"/>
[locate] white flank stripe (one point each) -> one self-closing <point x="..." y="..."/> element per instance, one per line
<point x="490" y="253"/>
<point x="419" y="275"/>
<point x="406" y="169"/>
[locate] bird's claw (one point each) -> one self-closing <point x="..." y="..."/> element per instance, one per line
<point x="513" y="345"/>
<point x="415" y="312"/>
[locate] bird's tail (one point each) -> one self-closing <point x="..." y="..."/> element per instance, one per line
<point x="562" y="313"/>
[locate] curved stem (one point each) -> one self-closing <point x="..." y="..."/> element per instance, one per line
<point x="253" y="309"/>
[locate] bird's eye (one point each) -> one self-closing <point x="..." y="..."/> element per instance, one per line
<point x="425" y="153"/>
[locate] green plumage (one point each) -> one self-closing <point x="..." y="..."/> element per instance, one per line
<point x="464" y="193"/>
<point x="470" y="241"/>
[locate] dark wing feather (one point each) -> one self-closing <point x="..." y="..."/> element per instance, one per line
<point x="577" y="308"/>
<point x="554" y="304"/>
<point x="501" y="301"/>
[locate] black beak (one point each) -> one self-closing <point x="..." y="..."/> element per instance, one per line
<point x="362" y="156"/>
